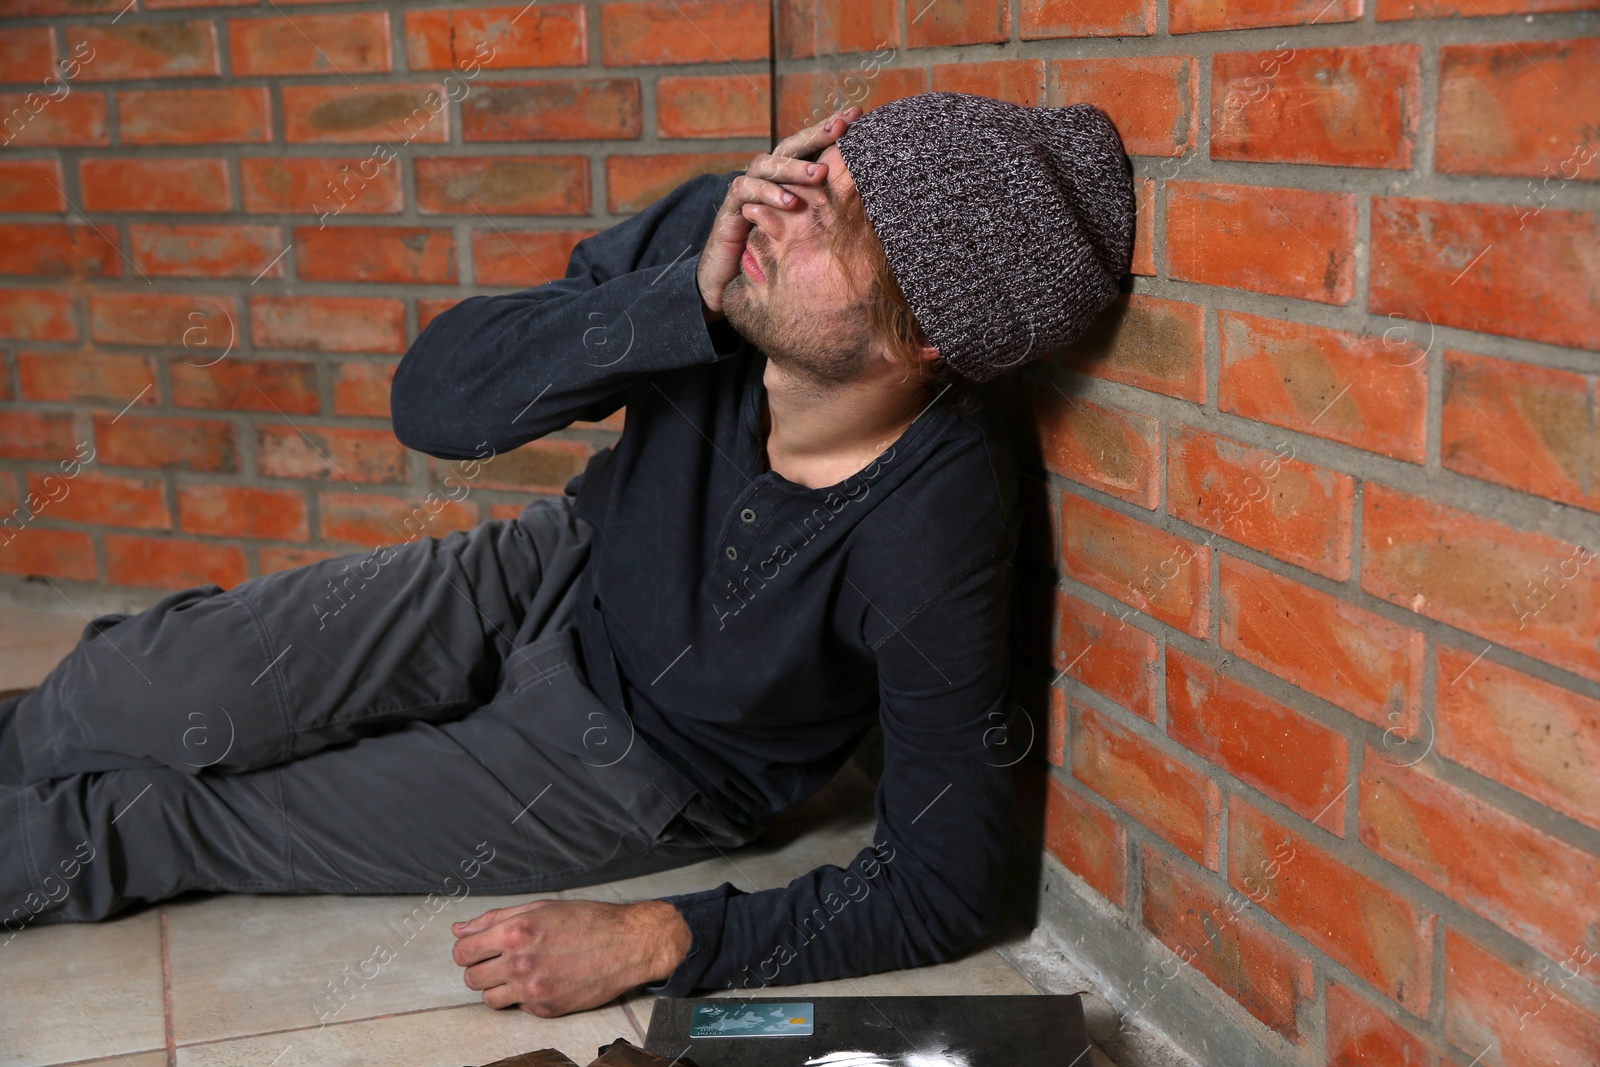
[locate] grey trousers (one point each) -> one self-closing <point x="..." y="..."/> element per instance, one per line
<point x="398" y="721"/>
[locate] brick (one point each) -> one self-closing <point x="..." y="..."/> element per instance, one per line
<point x="27" y="54"/>
<point x="328" y="323"/>
<point x="804" y="98"/>
<point x="87" y="377"/>
<point x="1390" y="10"/>
<point x="21" y="8"/>
<point x="1151" y="99"/>
<point x="1172" y="801"/>
<point x="1115" y="451"/>
<point x="503" y="185"/>
<point x="386" y="114"/>
<point x="37" y="315"/>
<point x="172" y="563"/>
<point x="888" y="85"/>
<point x="1528" y="1020"/>
<point x="1481" y="88"/>
<point x="829" y="27"/>
<point x="50" y="553"/>
<point x="242" y="511"/>
<point x="413" y="255"/>
<point x="326" y="454"/>
<point x="1348" y="656"/>
<point x="140" y="50"/>
<point x="1259" y="741"/>
<point x="158" y="5"/>
<point x="1085" y="840"/>
<point x="1528" y="591"/>
<point x="943" y="25"/>
<point x="34" y="120"/>
<point x="429" y="309"/>
<point x="522" y="257"/>
<point x="722" y="105"/>
<point x="1200" y="16"/>
<point x="30" y="185"/>
<point x="204" y="324"/>
<point x="1144" y="225"/>
<point x="504" y="511"/>
<point x="1530" y="884"/>
<point x="1283" y="242"/>
<point x="1017" y="81"/>
<point x="103" y="499"/>
<point x="1484" y="267"/>
<point x="1540" y="739"/>
<point x="370" y="518"/>
<point x="351" y="43"/>
<point x="634" y="182"/>
<point x="1520" y="426"/>
<point x="1055" y="752"/>
<point x="1338" y="107"/>
<point x="662" y="32"/>
<point x="1129" y="560"/>
<point x="340" y="186"/>
<point x="1146" y="342"/>
<point x="542" y="466"/>
<point x="1115" y="659"/>
<point x="1268" y="978"/>
<point x="1086" y="18"/>
<point x="1361" y="1034"/>
<point x="50" y="249"/>
<point x="187" y="185"/>
<point x="557" y="109"/>
<point x="186" y="444"/>
<point x="497" y="38"/>
<point x="275" y="558"/>
<point x="1367" y="392"/>
<point x="362" y="388"/>
<point x="1379" y="935"/>
<point x="1284" y="507"/>
<point x="199" y="250"/>
<point x="807" y="99"/>
<point x="195" y="116"/>
<point x="247" y="385"/>
<point x="613" y="422"/>
<point x="36" y="435"/>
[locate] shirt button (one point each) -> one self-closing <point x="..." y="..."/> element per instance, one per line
<point x="747" y="515"/>
<point x="731" y="552"/>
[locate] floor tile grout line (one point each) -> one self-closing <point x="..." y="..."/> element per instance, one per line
<point x="106" y="1059"/>
<point x="166" y="992"/>
<point x="633" y="1020"/>
<point x="329" y="1026"/>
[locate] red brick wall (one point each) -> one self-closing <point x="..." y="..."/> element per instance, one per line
<point x="222" y="225"/>
<point x="1310" y="608"/>
<point x="1308" y="600"/>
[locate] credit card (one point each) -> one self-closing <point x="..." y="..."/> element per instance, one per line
<point x="761" y="1018"/>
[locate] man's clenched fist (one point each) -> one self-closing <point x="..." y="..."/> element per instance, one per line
<point x="553" y="957"/>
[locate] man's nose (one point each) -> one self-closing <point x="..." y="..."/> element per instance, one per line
<point x="781" y="224"/>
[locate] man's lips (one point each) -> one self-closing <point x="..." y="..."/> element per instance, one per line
<point x="751" y="266"/>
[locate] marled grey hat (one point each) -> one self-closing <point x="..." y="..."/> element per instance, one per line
<point x="1008" y="228"/>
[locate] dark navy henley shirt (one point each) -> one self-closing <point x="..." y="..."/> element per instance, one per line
<point x="758" y="626"/>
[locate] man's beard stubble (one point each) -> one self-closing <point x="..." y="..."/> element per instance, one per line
<point x="823" y="354"/>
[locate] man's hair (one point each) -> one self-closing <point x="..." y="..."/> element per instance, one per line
<point x="889" y="315"/>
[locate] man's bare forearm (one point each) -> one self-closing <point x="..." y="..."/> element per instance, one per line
<point x="667" y="934"/>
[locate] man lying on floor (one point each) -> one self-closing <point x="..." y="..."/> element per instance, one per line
<point x="807" y="525"/>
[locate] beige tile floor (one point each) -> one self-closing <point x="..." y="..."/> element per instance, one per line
<point x="236" y="981"/>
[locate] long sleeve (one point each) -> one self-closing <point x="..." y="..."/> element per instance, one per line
<point x="509" y="369"/>
<point x="927" y="887"/>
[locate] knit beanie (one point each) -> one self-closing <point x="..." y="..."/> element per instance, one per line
<point x="1008" y="228"/>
